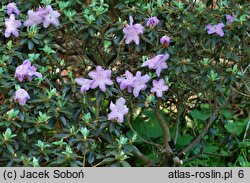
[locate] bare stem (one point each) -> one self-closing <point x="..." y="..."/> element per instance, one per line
<point x="97" y="106"/>
<point x="84" y="157"/>
<point x="164" y="128"/>
<point x="176" y="130"/>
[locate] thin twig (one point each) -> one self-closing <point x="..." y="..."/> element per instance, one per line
<point x="84" y="157"/>
<point x="240" y="92"/>
<point x="248" y="123"/>
<point x="193" y="157"/>
<point x="243" y="72"/>
<point x="143" y="158"/>
<point x="200" y="136"/>
<point x="219" y="155"/>
<point x="144" y="140"/>
<point x="176" y="130"/>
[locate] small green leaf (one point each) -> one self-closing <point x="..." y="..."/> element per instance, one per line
<point x="30" y="45"/>
<point x="10" y="148"/>
<point x="125" y="164"/>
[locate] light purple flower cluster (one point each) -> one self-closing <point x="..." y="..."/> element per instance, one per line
<point x="135" y="83"/>
<point x="35" y="17"/>
<point x="118" y="110"/>
<point x="21" y="96"/>
<point x="11" y="23"/>
<point x="218" y="28"/>
<point x="138" y="83"/>
<point x="215" y="29"/>
<point x="12" y="8"/>
<point x="26" y="71"/>
<point x="45" y="15"/>
<point x="99" y="78"/>
<point x="132" y="32"/>
<point x="158" y="63"/>
<point x="12" y="26"/>
<point x="152" y="22"/>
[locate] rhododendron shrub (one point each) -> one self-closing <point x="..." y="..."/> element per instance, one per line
<point x="124" y="83"/>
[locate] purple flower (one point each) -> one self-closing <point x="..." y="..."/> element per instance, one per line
<point x="159" y="87"/>
<point x="165" y="41"/>
<point x="12" y="8"/>
<point x="32" y="72"/>
<point x="12" y="26"/>
<point x="140" y="83"/>
<point x="84" y="83"/>
<point x="132" y="32"/>
<point x="158" y="63"/>
<point x="118" y="110"/>
<point x="21" y="96"/>
<point x="100" y="78"/>
<point x="217" y="29"/>
<point x="22" y="70"/>
<point x="126" y="82"/>
<point x="230" y="19"/>
<point x="152" y="22"/>
<point x="26" y="71"/>
<point x="45" y="15"/>
<point x="50" y="17"/>
<point x="35" y="18"/>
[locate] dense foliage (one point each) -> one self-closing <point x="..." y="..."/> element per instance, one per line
<point x="66" y="100"/>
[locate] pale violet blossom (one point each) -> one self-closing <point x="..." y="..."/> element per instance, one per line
<point x="132" y="32"/>
<point x="100" y="78"/>
<point x="84" y="83"/>
<point x="159" y="87"/>
<point x="152" y="22"/>
<point x="165" y="41"/>
<point x="118" y="110"/>
<point x="140" y="83"/>
<point x="12" y="26"/>
<point x="21" y="96"/>
<point x="25" y="70"/>
<point x="50" y="17"/>
<point x="12" y="8"/>
<point x="126" y="82"/>
<point x="157" y="63"/>
<point x="215" y="29"/>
